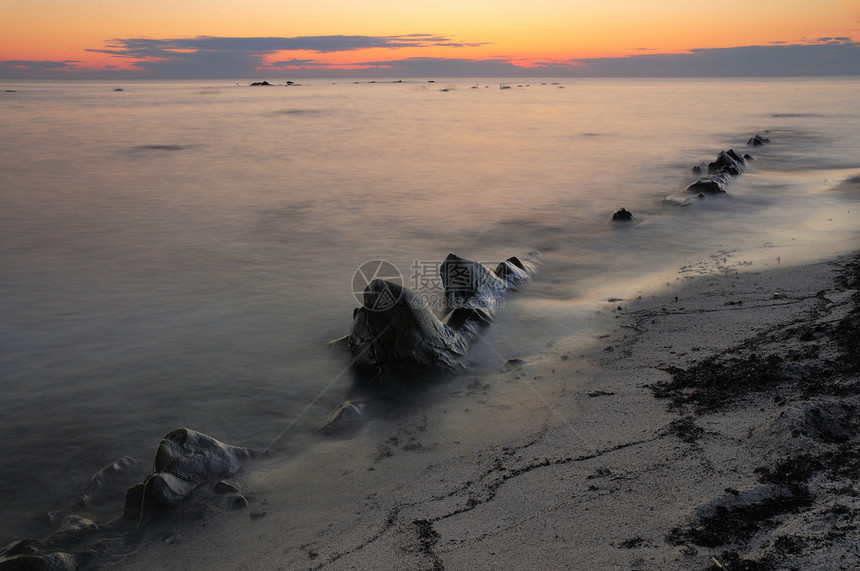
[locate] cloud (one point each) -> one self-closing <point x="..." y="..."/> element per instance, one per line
<point x="29" y="67"/>
<point x="213" y="56"/>
<point x="831" y="56"/>
<point x="444" y="67"/>
<point x="138" y="48"/>
<point x="245" y="57"/>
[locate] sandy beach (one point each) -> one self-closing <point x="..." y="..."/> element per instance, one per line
<point x="712" y="426"/>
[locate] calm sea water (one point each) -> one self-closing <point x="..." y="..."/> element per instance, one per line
<point x="180" y="253"/>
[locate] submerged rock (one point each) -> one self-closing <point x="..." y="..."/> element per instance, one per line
<point x="107" y="484"/>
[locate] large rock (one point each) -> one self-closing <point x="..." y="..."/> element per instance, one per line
<point x="185" y="460"/>
<point x="403" y="334"/>
<point x="395" y="329"/>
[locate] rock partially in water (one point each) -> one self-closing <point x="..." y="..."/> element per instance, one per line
<point x="758" y="141"/>
<point x="185" y="460"/>
<point x="727" y="162"/>
<point x="107" y="485"/>
<point x="727" y="165"/>
<point x="514" y="272"/>
<point x="622" y="214"/>
<point x="396" y="330"/>
<point x="403" y="333"/>
<point x="712" y="184"/>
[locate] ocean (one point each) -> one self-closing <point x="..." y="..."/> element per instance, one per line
<point x="180" y="253"/>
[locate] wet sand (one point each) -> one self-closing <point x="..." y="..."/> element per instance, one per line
<point x="714" y="427"/>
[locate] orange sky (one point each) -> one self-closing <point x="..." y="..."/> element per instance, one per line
<point x="539" y="30"/>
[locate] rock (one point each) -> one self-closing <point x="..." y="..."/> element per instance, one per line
<point x="185" y="460"/>
<point x="256" y="83"/>
<point x="622" y="214"/>
<point x="472" y="285"/>
<point x="758" y="141"/>
<point x="238" y="502"/>
<point x="469" y="284"/>
<point x="404" y="334"/>
<point x="56" y="561"/>
<point x="514" y="272"/>
<point x="37" y="555"/>
<point x="395" y="329"/>
<point x="24" y="547"/>
<point x="133" y="504"/>
<point x="711" y="184"/>
<point x="107" y="484"/>
<point x="343" y="416"/>
<point x="727" y="162"/>
<point x="223" y="487"/>
<point x="720" y="173"/>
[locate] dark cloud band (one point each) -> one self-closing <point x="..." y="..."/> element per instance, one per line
<point x="227" y="57"/>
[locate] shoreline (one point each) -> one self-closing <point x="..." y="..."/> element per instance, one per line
<point x="601" y="473"/>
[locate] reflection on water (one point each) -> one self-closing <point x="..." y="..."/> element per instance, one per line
<point x="179" y="254"/>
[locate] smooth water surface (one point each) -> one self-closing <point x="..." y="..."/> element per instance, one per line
<point x="180" y="253"/>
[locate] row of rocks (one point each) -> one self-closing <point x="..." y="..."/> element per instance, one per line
<point x="395" y="331"/>
<point x="267" y="84"/>
<point x="721" y="171"/>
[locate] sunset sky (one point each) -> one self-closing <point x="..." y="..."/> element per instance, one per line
<point x="256" y="38"/>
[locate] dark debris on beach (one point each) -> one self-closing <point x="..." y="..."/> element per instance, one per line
<point x="721" y="380"/>
<point x="815" y="364"/>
